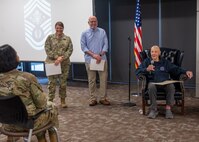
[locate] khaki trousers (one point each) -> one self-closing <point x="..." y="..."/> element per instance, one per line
<point x="92" y="82"/>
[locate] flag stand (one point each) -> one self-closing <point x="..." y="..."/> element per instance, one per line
<point x="138" y="89"/>
<point x="129" y="103"/>
<point x="137" y="41"/>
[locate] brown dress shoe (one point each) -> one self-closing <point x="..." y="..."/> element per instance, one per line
<point x="104" y="102"/>
<point x="93" y="103"/>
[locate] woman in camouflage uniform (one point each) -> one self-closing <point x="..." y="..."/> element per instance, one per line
<point x="25" y="85"/>
<point x="58" y="48"/>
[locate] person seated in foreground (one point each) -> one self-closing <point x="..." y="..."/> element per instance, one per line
<point x="25" y="86"/>
<point x="157" y="70"/>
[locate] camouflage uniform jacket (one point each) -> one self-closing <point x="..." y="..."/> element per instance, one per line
<point x="55" y="47"/>
<point x="26" y="86"/>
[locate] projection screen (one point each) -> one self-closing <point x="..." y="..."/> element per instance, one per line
<point x="26" y="24"/>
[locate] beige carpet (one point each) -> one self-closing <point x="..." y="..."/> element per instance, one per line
<point x="118" y="123"/>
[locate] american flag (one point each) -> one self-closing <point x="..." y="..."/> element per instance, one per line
<point x="137" y="35"/>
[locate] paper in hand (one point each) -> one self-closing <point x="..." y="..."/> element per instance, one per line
<point x="52" y="69"/>
<point x="97" y="67"/>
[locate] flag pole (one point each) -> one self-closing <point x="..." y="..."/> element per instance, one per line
<point x="137" y="40"/>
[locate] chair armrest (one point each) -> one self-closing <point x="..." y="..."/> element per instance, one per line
<point x="183" y="77"/>
<point x="34" y="117"/>
<point x="142" y="78"/>
<point x="30" y="123"/>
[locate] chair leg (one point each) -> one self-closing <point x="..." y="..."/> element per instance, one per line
<point x="29" y="135"/>
<point x="25" y="139"/>
<point x="143" y="106"/>
<point x="182" y="108"/>
<point x="58" y="140"/>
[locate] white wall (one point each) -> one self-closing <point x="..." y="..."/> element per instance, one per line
<point x="197" y="52"/>
<point x="26" y="24"/>
<point x="197" y="5"/>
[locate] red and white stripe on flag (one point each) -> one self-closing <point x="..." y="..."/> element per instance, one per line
<point x="137" y="35"/>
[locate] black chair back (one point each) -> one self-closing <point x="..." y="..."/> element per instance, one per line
<point x="175" y="56"/>
<point x="13" y="111"/>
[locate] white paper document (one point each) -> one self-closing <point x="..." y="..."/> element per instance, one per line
<point x="97" y="67"/>
<point x="166" y="82"/>
<point x="52" y="69"/>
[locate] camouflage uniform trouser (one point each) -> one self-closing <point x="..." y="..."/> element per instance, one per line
<point x="92" y="82"/>
<point x="62" y="78"/>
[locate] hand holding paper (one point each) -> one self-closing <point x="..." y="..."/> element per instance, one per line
<point x="97" y="66"/>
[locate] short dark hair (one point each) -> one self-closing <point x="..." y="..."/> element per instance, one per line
<point x="59" y="23"/>
<point x="8" y="58"/>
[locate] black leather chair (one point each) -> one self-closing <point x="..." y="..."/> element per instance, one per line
<point x="176" y="57"/>
<point x="13" y="111"/>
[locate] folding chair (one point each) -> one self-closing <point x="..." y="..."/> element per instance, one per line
<point x="13" y="111"/>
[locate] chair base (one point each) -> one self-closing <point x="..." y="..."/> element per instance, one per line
<point x="28" y="134"/>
